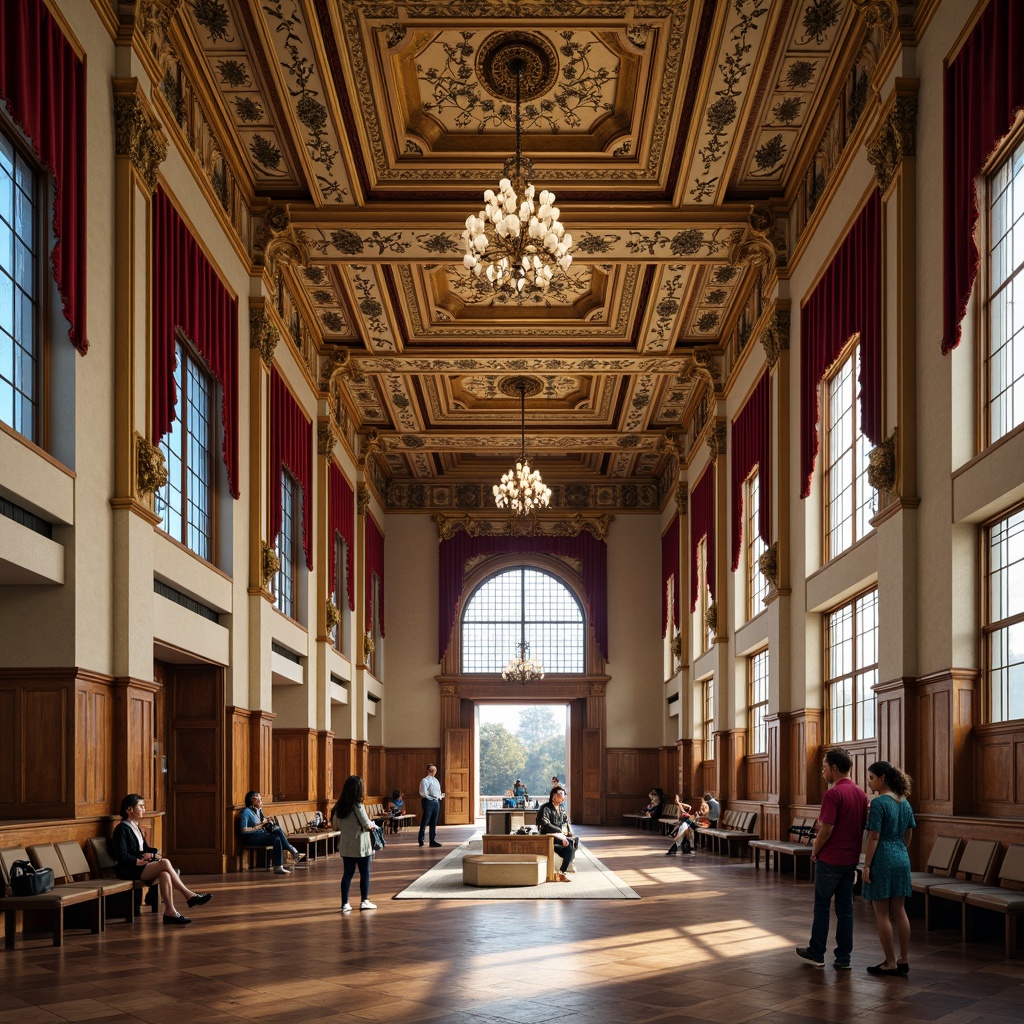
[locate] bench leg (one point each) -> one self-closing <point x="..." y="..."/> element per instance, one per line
<point x="10" y="923"/>
<point x="58" y="926"/>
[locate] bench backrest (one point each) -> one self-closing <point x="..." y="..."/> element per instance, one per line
<point x="803" y="830"/>
<point x="98" y="851"/>
<point x="45" y="855"/>
<point x="8" y="857"/>
<point x="945" y="855"/>
<point x="73" y="857"/>
<point x="978" y="860"/>
<point x="1011" y="874"/>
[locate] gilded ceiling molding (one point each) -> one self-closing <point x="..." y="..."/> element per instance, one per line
<point x="894" y="139"/>
<point x="150" y="467"/>
<point x="682" y="500"/>
<point x="362" y="499"/>
<point x="716" y="440"/>
<point x="522" y="526"/>
<point x="882" y="465"/>
<point x="325" y="438"/>
<point x="372" y="446"/>
<point x="774" y="336"/>
<point x="263" y="332"/>
<point x="137" y="134"/>
<point x="270" y="564"/>
<point x="762" y="247"/>
<point x="275" y="243"/>
<point x="768" y="563"/>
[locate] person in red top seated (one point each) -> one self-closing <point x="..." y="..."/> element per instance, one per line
<point x="836" y="850"/>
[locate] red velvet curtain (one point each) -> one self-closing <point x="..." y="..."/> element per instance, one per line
<point x="456" y="551"/>
<point x="669" y="569"/>
<point x="42" y="83"/>
<point x="291" y="447"/>
<point x="374" y="567"/>
<point x="984" y="89"/>
<point x="188" y="294"/>
<point x="341" y="520"/>
<point x="702" y="524"/>
<point x="847" y="300"/>
<point x="751" y="435"/>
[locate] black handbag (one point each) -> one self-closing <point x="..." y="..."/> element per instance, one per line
<point x="28" y="880"/>
<point x="377" y="838"/>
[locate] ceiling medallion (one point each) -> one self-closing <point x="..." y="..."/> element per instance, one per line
<point x="521" y="489"/>
<point x="516" y="241"/>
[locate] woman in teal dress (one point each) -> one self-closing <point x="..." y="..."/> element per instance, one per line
<point x="887" y="864"/>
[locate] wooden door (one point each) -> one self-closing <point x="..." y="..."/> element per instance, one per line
<point x="591" y="777"/>
<point x="457" y="808"/>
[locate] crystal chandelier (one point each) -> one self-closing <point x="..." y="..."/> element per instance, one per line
<point x="521" y="489"/>
<point x="517" y="239"/>
<point x="522" y="669"/>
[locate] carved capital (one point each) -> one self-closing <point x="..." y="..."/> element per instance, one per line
<point x="716" y="440"/>
<point x="895" y="138"/>
<point x="151" y="17"/>
<point x="369" y="646"/>
<point x="882" y="465"/>
<point x="682" y="500"/>
<point x="275" y="243"/>
<point x="137" y="136"/>
<point x="775" y="336"/>
<point x="768" y="563"/>
<point x="879" y="13"/>
<point x="263" y="334"/>
<point x="150" y="468"/>
<point x="324" y="439"/>
<point x="762" y="246"/>
<point x="676" y="646"/>
<point x="333" y="616"/>
<point x="372" y="445"/>
<point x="711" y="617"/>
<point x="270" y="565"/>
<point x="362" y="499"/>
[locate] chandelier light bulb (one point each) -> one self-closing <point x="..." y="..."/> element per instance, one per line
<point x="522" y="669"/>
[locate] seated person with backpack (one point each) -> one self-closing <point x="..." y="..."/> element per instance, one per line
<point x="258" y="830"/>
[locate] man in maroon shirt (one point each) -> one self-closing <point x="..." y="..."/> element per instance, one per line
<point x="836" y="850"/>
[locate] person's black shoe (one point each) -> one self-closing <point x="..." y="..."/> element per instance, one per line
<point x="806" y="954"/>
<point x="432" y="843"/>
<point x="177" y="919"/>
<point x="671" y="851"/>
<point x="421" y="842"/>
<point x="199" y="899"/>
<point x="903" y="968"/>
<point x="883" y="971"/>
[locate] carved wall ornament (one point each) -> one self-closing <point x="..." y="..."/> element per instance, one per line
<point x="137" y="136"/>
<point x="522" y="526"/>
<point x="333" y="616"/>
<point x="716" y="440"/>
<point x="263" y="333"/>
<point x="676" y="646"/>
<point x="270" y="565"/>
<point x="895" y="139"/>
<point x="369" y="645"/>
<point x="373" y="446"/>
<point x="882" y="465"/>
<point x="879" y="13"/>
<point x="151" y="469"/>
<point x="774" y="337"/>
<point x="682" y="500"/>
<point x="768" y="563"/>
<point x="275" y="243"/>
<point x="711" y="617"/>
<point x="152" y="18"/>
<point x="762" y="247"/>
<point x="325" y="438"/>
<point x="362" y="499"/>
<point x="704" y="369"/>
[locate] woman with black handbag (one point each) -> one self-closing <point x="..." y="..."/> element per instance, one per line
<point x="356" y="842"/>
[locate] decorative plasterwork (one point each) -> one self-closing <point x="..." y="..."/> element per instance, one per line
<point x="270" y="564"/>
<point x="151" y="469"/>
<point x="711" y="617"/>
<point x="523" y="526"/>
<point x="332" y="615"/>
<point x="768" y="563"/>
<point x="882" y="465"/>
<point x="682" y="500"/>
<point x="263" y="332"/>
<point x="274" y="241"/>
<point x="137" y="135"/>
<point x="774" y="336"/>
<point x="151" y="18"/>
<point x="716" y="440"/>
<point x="881" y="13"/>
<point x="362" y="499"/>
<point x="325" y="439"/>
<point x="763" y="246"/>
<point x="895" y="139"/>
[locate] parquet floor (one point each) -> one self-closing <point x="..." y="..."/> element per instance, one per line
<point x="710" y="941"/>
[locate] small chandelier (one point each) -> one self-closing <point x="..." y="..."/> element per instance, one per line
<point x="517" y="239"/>
<point x="521" y="489"/>
<point x="522" y="669"/>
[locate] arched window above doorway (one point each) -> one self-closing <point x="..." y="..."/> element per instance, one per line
<point x="523" y="604"/>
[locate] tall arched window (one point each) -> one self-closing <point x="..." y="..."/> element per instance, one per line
<point x="523" y="605"/>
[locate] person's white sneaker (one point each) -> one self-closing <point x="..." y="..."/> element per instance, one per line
<point x="367" y="905"/>
<point x="346" y="908"/>
<point x="281" y="870"/>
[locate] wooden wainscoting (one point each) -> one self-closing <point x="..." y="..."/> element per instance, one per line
<point x="295" y="755"/>
<point x="406" y="766"/>
<point x="756" y="770"/>
<point x="998" y="773"/>
<point x="632" y="773"/>
<point x="945" y="709"/>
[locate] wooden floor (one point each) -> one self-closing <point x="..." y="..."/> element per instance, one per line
<point x="709" y="941"/>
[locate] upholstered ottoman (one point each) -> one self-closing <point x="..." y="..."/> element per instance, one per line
<point x="503" y="869"/>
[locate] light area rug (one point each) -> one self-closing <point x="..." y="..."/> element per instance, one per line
<point x="591" y="881"/>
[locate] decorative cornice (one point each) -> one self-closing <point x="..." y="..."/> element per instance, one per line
<point x="137" y="135"/>
<point x="150" y="468"/>
<point x="768" y="563"/>
<point x="762" y="247"/>
<point x="523" y="526"/>
<point x="270" y="565"/>
<point x="716" y="440"/>
<point x="894" y="139"/>
<point x="362" y="499"/>
<point x="152" y="18"/>
<point x="325" y="438"/>
<point x="882" y="465"/>
<point x="263" y="332"/>
<point x="682" y="500"/>
<point x="774" y="337"/>
<point x="275" y="243"/>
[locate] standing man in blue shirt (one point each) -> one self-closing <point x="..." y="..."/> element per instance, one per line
<point x="431" y="797"/>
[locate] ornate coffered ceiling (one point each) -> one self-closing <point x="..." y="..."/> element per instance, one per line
<point x="371" y="129"/>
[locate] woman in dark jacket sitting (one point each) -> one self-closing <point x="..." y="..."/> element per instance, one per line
<point x="655" y="808"/>
<point x="135" y="859"/>
<point x="552" y="820"/>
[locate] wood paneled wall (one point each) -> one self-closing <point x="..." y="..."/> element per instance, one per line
<point x="295" y="754"/>
<point x="632" y="773"/>
<point x="405" y="767"/>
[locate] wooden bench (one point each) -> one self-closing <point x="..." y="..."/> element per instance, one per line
<point x="65" y="872"/>
<point x="315" y="840"/>
<point x="977" y="867"/>
<point x="503" y="869"/>
<point x="736" y="827"/>
<point x="1007" y="899"/>
<point x="776" y="850"/>
<point x="53" y="903"/>
<point x="669" y="819"/>
<point x="97" y="850"/>
<point x="533" y="845"/>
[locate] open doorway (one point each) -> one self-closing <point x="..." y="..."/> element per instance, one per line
<point x="524" y="743"/>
